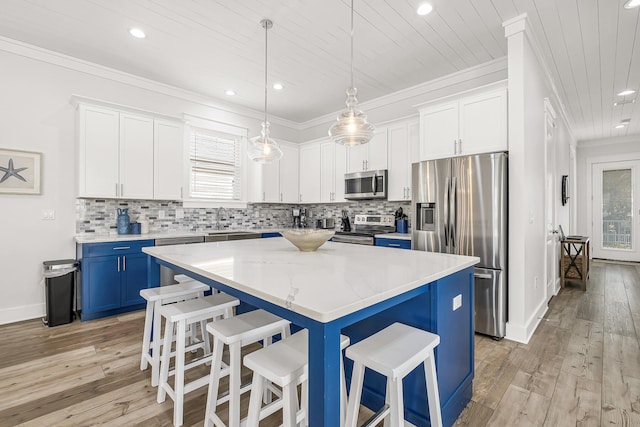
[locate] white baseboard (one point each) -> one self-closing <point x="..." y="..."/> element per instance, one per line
<point x="523" y="333"/>
<point x="25" y="312"/>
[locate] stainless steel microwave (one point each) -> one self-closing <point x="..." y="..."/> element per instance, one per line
<point x="365" y="185"/>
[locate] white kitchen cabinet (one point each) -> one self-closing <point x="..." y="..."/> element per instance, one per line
<point x="126" y="155"/>
<point x="370" y="156"/>
<point x="289" y="174"/>
<point x="403" y="142"/>
<point x="99" y="136"/>
<point x="279" y="180"/>
<point x="136" y="157"/>
<point x="333" y="166"/>
<point x="168" y="160"/>
<point x="310" y="175"/>
<point x="469" y="125"/>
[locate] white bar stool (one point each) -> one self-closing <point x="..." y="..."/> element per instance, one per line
<point x="237" y="332"/>
<point x="157" y="297"/>
<point x="394" y="352"/>
<point x="180" y="315"/>
<point x="285" y="364"/>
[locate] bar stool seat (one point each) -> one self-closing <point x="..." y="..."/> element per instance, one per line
<point x="237" y="332"/>
<point x="179" y="316"/>
<point x="157" y="297"/>
<point x="394" y="352"/>
<point x="285" y="364"/>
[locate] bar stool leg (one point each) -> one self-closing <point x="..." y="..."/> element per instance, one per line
<point x="166" y="353"/>
<point x="146" y="336"/>
<point x="257" y="383"/>
<point x="290" y="407"/>
<point x="155" y="349"/>
<point x="179" y="374"/>
<point x="234" y="383"/>
<point x="432" y="391"/>
<point x="394" y="390"/>
<point x="214" y="381"/>
<point x="357" y="378"/>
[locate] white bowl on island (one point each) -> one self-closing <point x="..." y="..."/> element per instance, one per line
<point x="307" y="239"/>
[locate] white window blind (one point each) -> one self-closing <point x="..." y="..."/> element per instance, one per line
<point x="215" y="165"/>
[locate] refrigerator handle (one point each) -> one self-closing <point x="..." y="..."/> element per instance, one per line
<point x="454" y="209"/>
<point x="446" y="212"/>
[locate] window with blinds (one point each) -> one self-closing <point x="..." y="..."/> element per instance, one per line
<point x="215" y="165"/>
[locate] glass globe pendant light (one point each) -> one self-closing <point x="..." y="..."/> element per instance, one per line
<point x="263" y="148"/>
<point x="352" y="127"/>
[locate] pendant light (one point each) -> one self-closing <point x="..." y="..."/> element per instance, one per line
<point x="262" y="148"/>
<point x="352" y="127"/>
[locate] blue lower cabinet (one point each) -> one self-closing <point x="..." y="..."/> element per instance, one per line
<point x="393" y="243"/>
<point x="112" y="275"/>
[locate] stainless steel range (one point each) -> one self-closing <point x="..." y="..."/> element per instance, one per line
<point x="366" y="226"/>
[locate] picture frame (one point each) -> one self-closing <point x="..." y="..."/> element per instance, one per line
<point x="20" y="171"/>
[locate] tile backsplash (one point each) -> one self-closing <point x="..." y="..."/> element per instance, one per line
<point x="99" y="215"/>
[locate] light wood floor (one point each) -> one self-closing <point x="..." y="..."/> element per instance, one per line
<point x="582" y="367"/>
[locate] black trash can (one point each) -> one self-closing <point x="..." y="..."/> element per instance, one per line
<point x="60" y="281"/>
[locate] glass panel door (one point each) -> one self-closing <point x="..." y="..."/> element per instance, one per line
<point x="615" y="206"/>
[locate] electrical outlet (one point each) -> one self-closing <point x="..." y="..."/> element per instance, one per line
<point x="179" y="213"/>
<point x="457" y="302"/>
<point x="160" y="214"/>
<point x="48" y="214"/>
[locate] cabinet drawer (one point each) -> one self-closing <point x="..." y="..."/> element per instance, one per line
<point x="394" y="243"/>
<point x="114" y="248"/>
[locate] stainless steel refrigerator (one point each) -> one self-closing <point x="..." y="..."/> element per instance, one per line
<point x="459" y="206"/>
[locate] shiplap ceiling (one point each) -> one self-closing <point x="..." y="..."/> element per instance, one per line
<point x="592" y="47"/>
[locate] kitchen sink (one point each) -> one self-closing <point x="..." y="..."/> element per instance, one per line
<point x="222" y="236"/>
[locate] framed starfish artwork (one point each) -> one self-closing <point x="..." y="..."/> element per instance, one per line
<point x="19" y="172"/>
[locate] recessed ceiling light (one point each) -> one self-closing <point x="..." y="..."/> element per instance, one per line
<point x="230" y="92"/>
<point x="278" y="86"/>
<point x="620" y="126"/>
<point x="425" y="9"/>
<point x="137" y="33"/>
<point x="626" y="92"/>
<point x="631" y="4"/>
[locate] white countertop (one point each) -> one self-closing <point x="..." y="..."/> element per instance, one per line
<point x="399" y="236"/>
<point x="337" y="279"/>
<point x="103" y="238"/>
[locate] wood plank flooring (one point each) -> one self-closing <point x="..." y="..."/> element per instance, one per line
<point x="582" y="367"/>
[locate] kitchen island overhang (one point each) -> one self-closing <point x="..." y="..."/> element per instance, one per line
<point x="354" y="289"/>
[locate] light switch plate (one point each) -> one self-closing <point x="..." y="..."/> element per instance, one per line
<point x="48" y="214"/>
<point x="161" y="214"/>
<point x="179" y="213"/>
<point x="457" y="302"/>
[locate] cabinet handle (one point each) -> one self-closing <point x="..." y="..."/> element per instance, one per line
<point x="119" y="248"/>
<point x="121" y="190"/>
<point x="455" y="146"/>
<point x="280" y="196"/>
<point x="117" y="190"/>
<point x="181" y="194"/>
<point x="118" y="264"/>
<point x="460" y="146"/>
<point x="124" y="263"/>
<point x="299" y="197"/>
<point x="394" y="245"/>
<point x="264" y="196"/>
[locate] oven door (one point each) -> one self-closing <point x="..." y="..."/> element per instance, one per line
<point x="358" y="240"/>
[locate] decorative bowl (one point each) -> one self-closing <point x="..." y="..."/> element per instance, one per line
<point x="307" y="239"/>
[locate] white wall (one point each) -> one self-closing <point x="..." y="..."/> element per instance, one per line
<point x="528" y="88"/>
<point x="36" y="115"/>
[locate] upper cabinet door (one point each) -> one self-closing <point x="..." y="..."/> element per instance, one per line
<point x="439" y="128"/>
<point x="289" y="174"/>
<point x="340" y="171"/>
<point x="483" y="123"/>
<point x="136" y="157"/>
<point x="310" y="174"/>
<point x="168" y="160"/>
<point x="327" y="171"/>
<point x="377" y="150"/>
<point x="270" y="182"/>
<point x="357" y="156"/>
<point x="398" y="162"/>
<point x="98" y="135"/>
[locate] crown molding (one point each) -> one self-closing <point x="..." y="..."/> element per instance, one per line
<point x="65" y="61"/>
<point x="474" y="72"/>
<point x="627" y="139"/>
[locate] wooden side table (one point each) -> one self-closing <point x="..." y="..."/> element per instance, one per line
<point x="574" y="260"/>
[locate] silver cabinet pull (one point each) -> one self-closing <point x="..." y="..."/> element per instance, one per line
<point x="395" y="245"/>
<point x="280" y="196"/>
<point x="181" y="193"/>
<point x="116" y="189"/>
<point x="124" y="263"/>
<point x="264" y="196"/>
<point x="119" y="248"/>
<point x="118" y="264"/>
<point x="460" y="146"/>
<point x="121" y="190"/>
<point x="455" y="146"/>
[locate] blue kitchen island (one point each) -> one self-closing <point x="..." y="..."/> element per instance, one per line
<point x="355" y="290"/>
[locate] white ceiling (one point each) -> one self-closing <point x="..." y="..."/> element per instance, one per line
<point x="592" y="47"/>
